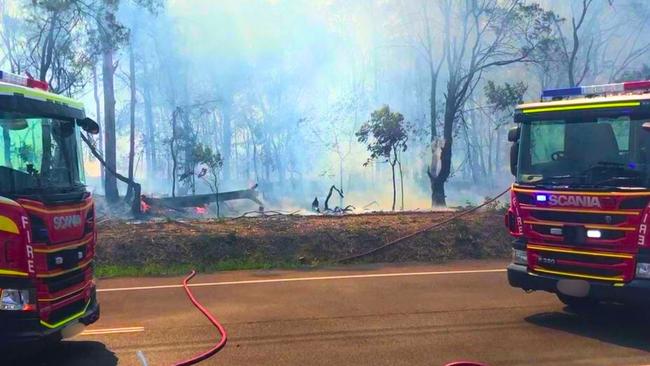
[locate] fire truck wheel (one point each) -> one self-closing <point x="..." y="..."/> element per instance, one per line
<point x="578" y="303"/>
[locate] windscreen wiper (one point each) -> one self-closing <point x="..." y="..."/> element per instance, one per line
<point x="557" y="179"/>
<point x="611" y="165"/>
<point x="617" y="178"/>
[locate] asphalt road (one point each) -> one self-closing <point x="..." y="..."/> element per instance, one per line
<point x="415" y="315"/>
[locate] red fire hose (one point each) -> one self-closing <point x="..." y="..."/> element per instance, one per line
<point x="224" y="336"/>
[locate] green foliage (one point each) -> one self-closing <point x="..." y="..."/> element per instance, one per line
<point x="202" y="154"/>
<point x="386" y="134"/>
<point x="26" y="153"/>
<point x="505" y="96"/>
<point x="59" y="41"/>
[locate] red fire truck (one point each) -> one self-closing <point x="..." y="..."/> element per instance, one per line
<point x="47" y="217"/>
<point x="580" y="204"/>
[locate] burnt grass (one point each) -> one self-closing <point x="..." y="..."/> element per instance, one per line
<point x="172" y="247"/>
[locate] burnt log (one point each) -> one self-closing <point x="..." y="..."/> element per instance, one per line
<point x="202" y="199"/>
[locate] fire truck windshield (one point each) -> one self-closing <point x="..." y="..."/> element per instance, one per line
<point x="600" y="152"/>
<point x="39" y="155"/>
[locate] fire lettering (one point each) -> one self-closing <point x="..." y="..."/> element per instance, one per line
<point x="643" y="228"/>
<point x="30" y="250"/>
<point x="30" y="259"/>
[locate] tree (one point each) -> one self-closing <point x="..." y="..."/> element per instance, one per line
<point x="593" y="46"/>
<point x="502" y="100"/>
<point x="504" y="97"/>
<point x="213" y="163"/>
<point x="479" y="35"/>
<point x="132" y="106"/>
<point x="335" y="130"/>
<point x="113" y="35"/>
<point x="575" y="73"/>
<point x="56" y="39"/>
<point x="386" y="135"/>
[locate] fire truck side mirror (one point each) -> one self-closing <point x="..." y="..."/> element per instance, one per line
<point x="513" y="134"/>
<point x="514" y="154"/>
<point x="646" y="126"/>
<point x="88" y="125"/>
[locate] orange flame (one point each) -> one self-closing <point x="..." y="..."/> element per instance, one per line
<point x="144" y="207"/>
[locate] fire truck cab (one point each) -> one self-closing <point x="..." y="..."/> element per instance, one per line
<point x="47" y="217"/>
<point x="580" y="203"/>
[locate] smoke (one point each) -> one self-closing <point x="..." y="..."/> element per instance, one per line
<point x="284" y="85"/>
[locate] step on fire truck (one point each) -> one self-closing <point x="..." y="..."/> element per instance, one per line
<point x="47" y="218"/>
<point x="580" y="204"/>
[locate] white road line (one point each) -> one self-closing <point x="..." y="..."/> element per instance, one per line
<point x="142" y="358"/>
<point x="112" y="331"/>
<point x="300" y="279"/>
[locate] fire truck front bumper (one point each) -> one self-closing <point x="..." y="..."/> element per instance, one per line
<point x="17" y="329"/>
<point x="635" y="292"/>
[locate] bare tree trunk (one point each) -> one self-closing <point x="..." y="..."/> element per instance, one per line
<point x="47" y="51"/>
<point x="438" y="186"/>
<point x="471" y="159"/>
<point x="216" y="189"/>
<point x="150" y="144"/>
<point x="436" y="142"/>
<point x="497" y="151"/>
<point x="392" y="168"/>
<point x="100" y="138"/>
<point x="255" y="168"/>
<point x="172" y="149"/>
<point x="341" y="179"/>
<point x="129" y="191"/>
<point x="401" y="182"/>
<point x="108" y="71"/>
<point x="226" y="140"/>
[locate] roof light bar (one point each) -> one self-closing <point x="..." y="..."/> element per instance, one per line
<point x="29" y="82"/>
<point x="597" y="89"/>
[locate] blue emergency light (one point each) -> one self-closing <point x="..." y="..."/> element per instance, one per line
<point x="597" y="89"/>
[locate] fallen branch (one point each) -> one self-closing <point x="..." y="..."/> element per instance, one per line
<point x="329" y="195"/>
<point x="137" y="189"/>
<point x="202" y="199"/>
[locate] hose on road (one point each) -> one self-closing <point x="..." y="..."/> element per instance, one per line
<point x="224" y="336"/>
<point x="421" y="231"/>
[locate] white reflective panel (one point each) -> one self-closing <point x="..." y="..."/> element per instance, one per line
<point x="603" y="88"/>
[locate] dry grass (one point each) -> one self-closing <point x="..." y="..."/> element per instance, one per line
<point x="160" y="247"/>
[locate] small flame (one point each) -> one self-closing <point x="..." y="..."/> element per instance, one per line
<point x="201" y="210"/>
<point x="144" y="207"/>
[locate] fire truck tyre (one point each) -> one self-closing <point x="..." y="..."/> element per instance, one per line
<point x="577" y="303"/>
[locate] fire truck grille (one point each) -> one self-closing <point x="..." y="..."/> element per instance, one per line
<point x="591" y="259"/>
<point x="62" y="282"/>
<point x="605" y="234"/>
<point x="580" y="270"/>
<point x="581" y="264"/>
<point x="66" y="259"/>
<point x="578" y="217"/>
<point x="66" y="311"/>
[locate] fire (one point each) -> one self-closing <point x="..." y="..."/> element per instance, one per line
<point x="201" y="210"/>
<point x="144" y="207"/>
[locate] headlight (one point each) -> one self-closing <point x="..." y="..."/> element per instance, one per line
<point x="15" y="300"/>
<point x="596" y="234"/>
<point x="519" y="257"/>
<point x="643" y="270"/>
